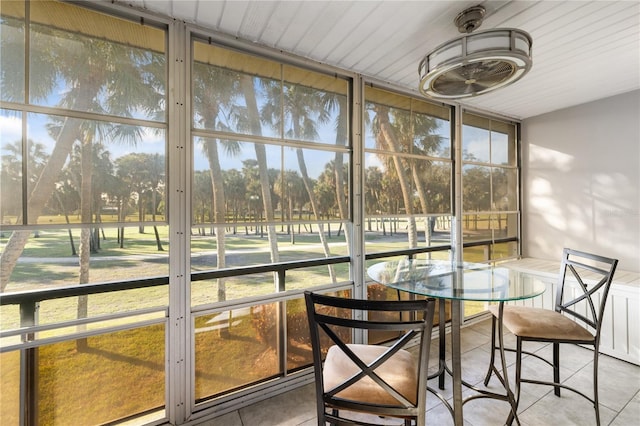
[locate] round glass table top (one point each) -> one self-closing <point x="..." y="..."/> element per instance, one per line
<point x="444" y="279"/>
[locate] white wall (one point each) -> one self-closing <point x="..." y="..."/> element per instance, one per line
<point x="581" y="179"/>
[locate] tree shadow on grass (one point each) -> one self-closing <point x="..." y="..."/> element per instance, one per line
<point x="115" y="263"/>
<point x="119" y="357"/>
<point x="33" y="273"/>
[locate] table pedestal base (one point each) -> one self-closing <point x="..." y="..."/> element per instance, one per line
<point x="455" y="372"/>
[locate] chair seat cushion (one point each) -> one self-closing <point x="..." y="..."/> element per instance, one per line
<point x="400" y="372"/>
<point x="541" y="324"/>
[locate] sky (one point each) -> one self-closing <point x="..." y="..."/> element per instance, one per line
<point x="475" y="140"/>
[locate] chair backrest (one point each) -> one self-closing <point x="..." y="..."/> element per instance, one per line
<point x="591" y="275"/>
<point x="332" y="323"/>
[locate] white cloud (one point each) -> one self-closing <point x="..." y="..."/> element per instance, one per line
<point x="10" y="129"/>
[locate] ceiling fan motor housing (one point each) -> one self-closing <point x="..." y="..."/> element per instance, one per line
<point x="470" y="19"/>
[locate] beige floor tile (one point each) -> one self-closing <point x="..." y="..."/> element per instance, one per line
<point x="630" y="414"/>
<point x="618" y="382"/>
<point x="568" y="410"/>
<point x="230" y="419"/>
<point x="288" y="409"/>
<point x="619" y="391"/>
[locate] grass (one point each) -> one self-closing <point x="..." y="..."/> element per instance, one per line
<point x="227" y="357"/>
<point x="87" y="385"/>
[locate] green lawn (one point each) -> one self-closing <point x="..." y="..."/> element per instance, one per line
<point x="226" y="358"/>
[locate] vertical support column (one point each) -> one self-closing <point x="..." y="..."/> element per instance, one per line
<point x="281" y="322"/>
<point x="456" y="361"/>
<point x="442" y="350"/>
<point x="520" y="191"/>
<point x="179" y="352"/>
<point x="29" y="367"/>
<point x="358" y="273"/>
<point x="458" y="258"/>
<point x="456" y="236"/>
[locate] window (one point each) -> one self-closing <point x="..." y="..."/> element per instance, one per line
<point x="489" y="193"/>
<point x="270" y="184"/>
<point x="94" y="185"/>
<point x="407" y="181"/>
<point x="89" y="163"/>
<point x="489" y="188"/>
<point x="83" y="130"/>
<point x="408" y="173"/>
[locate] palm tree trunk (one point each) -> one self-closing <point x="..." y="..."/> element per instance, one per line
<point x="153" y="218"/>
<point x="122" y="213"/>
<point x="85" y="233"/>
<point x="158" y="242"/>
<point x="218" y="208"/>
<point x="46" y="183"/>
<point x="42" y="190"/>
<point x="393" y="145"/>
<point x="261" y="156"/>
<point x="422" y="194"/>
<point x="66" y="218"/>
<point x="140" y="213"/>
<point x="343" y="207"/>
<point x="312" y="200"/>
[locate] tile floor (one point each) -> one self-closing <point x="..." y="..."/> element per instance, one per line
<point x="619" y="392"/>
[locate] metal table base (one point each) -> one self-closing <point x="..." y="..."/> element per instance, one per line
<point x="455" y="372"/>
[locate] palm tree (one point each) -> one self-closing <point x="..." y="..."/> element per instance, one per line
<point x="235" y="192"/>
<point x="92" y="84"/>
<point x="392" y="200"/>
<point x="374" y="193"/>
<point x="214" y="90"/>
<point x="202" y="198"/>
<point x="132" y="174"/>
<point x="101" y="171"/>
<point x="326" y="187"/>
<point x="118" y="189"/>
<point x="415" y="133"/>
<point x="287" y="185"/>
<point x="36" y="157"/>
<point x="155" y="168"/>
<point x="67" y="199"/>
<point x="386" y="135"/>
<point x="301" y="107"/>
<point x="338" y="103"/>
<point x="254" y="126"/>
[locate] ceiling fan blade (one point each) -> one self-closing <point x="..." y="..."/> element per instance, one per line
<point x="456" y="74"/>
<point x="473" y="78"/>
<point x="445" y="86"/>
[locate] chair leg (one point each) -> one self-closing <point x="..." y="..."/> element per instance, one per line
<point x="514" y="408"/>
<point x="493" y="351"/>
<point x="596" y="404"/>
<point x="442" y="345"/>
<point x="556" y="368"/>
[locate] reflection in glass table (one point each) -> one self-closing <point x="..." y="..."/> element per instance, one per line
<point x="447" y="280"/>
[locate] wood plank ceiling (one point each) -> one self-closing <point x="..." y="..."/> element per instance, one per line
<point x="582" y="50"/>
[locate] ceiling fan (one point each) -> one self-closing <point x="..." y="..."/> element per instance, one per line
<point x="475" y="63"/>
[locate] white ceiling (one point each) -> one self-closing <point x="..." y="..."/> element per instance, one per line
<point x="582" y="50"/>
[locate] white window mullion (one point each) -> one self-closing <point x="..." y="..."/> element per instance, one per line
<point x="179" y="345"/>
<point x="357" y="251"/>
<point x="456" y="235"/>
